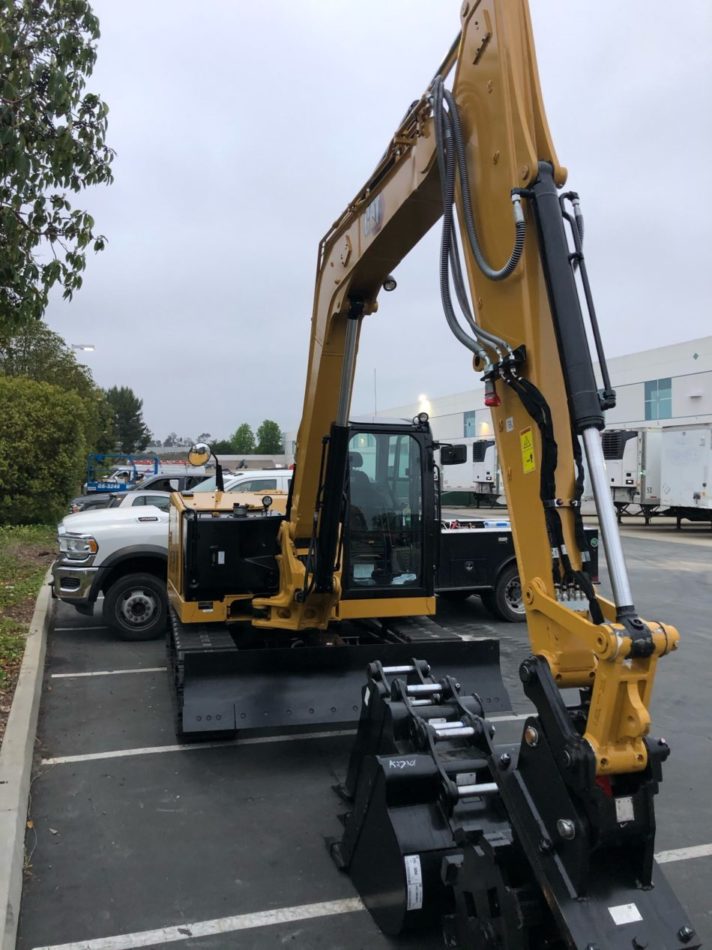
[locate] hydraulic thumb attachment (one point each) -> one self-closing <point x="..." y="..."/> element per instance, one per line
<point x="507" y="847"/>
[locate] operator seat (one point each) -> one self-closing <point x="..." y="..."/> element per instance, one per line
<point x="364" y="495"/>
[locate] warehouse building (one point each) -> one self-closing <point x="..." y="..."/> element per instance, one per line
<point x="668" y="385"/>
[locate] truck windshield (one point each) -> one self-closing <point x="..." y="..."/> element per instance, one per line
<point x="385" y="522"/>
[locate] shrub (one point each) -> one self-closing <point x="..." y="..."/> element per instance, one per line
<point x="42" y="450"/>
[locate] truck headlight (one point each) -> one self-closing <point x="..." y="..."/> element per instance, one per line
<point x="77" y="546"/>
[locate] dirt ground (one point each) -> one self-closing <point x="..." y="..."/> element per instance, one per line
<point x="25" y="554"/>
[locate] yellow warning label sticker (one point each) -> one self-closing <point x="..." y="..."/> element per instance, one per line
<point x="526" y="442"/>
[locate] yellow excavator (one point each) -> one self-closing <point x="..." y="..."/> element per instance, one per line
<point x="545" y="844"/>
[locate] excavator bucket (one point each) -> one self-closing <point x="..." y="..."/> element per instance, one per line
<point x="222" y="691"/>
<point x="489" y="843"/>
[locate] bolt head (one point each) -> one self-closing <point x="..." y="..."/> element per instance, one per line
<point x="545" y="846"/>
<point x="566" y="829"/>
<point x="685" y="934"/>
<point x="531" y="736"/>
<point x="505" y="760"/>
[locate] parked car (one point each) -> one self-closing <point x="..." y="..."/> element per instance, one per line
<point x="160" y="483"/>
<point x="131" y="499"/>
<point x="261" y="481"/>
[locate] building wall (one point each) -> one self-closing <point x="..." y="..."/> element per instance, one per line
<point x="688" y="365"/>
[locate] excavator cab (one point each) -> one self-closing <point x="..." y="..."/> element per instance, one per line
<point x="390" y="517"/>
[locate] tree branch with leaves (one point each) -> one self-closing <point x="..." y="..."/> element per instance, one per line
<point x="52" y="142"/>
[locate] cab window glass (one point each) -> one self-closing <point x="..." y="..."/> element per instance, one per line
<point x="385" y="511"/>
<point x="160" y="501"/>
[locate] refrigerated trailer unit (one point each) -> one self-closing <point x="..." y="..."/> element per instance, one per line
<point x="475" y="482"/>
<point x="686" y="470"/>
<point x="633" y="469"/>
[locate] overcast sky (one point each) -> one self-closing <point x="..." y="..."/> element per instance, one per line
<point x="242" y="130"/>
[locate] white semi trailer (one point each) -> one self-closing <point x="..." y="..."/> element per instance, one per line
<point x="661" y="471"/>
<point x="476" y="482"/>
<point x="633" y="468"/>
<point x="686" y="472"/>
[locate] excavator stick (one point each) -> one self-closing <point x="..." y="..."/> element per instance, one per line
<point x="505" y="847"/>
<point x="223" y="689"/>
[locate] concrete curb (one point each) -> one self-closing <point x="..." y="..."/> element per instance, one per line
<point x="16" y="766"/>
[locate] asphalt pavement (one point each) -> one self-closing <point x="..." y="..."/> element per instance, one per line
<point x="137" y="841"/>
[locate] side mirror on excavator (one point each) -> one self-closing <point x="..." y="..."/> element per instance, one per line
<point x="453" y="454"/>
<point x="199" y="454"/>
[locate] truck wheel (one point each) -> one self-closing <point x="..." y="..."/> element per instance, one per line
<point x="505" y="601"/>
<point x="136" y="607"/>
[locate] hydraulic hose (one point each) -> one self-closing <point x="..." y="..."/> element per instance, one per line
<point x="447" y="182"/>
<point x="449" y="250"/>
<point x="519" y="222"/>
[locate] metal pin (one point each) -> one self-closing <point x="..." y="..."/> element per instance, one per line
<point x="452" y="733"/>
<point x="486" y="788"/>
<point x="421" y="688"/>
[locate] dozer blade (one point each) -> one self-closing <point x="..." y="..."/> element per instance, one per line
<point x="221" y="690"/>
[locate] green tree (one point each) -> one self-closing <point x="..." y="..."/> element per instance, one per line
<point x="243" y="440"/>
<point x="42" y="450"/>
<point x="222" y="447"/>
<point x="52" y="142"/>
<point x="132" y="433"/>
<point x="36" y="352"/>
<point x="269" y="438"/>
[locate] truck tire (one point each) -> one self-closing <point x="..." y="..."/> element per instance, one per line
<point x="505" y="601"/>
<point x="136" y="607"/>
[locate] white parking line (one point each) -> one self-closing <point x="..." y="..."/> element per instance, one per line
<point x="221" y="925"/>
<point x="187" y="747"/>
<point x="283" y="915"/>
<point x="145" y="669"/>
<point x="193" y="746"/>
<point x="684" y="854"/>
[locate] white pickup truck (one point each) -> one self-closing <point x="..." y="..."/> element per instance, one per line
<point x="121" y="553"/>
